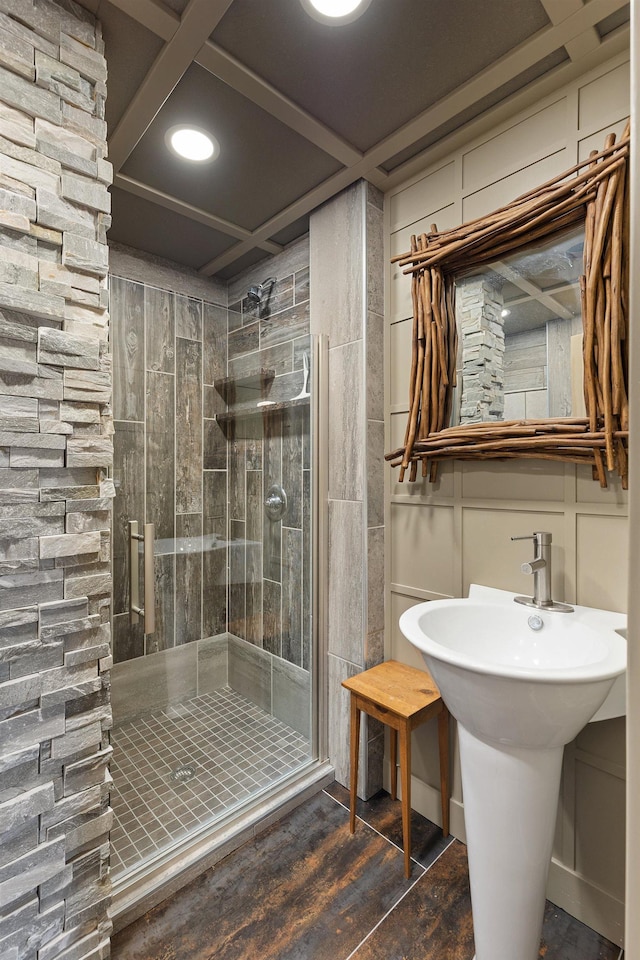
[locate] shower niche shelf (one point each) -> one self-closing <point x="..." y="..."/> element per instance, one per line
<point x="254" y="386"/>
<point x="249" y="419"/>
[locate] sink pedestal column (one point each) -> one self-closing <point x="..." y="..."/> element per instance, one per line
<point x="510" y="806"/>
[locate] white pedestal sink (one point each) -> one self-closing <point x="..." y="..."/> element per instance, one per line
<point x="519" y="692"/>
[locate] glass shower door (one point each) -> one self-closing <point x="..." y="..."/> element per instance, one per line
<point x="213" y="701"/>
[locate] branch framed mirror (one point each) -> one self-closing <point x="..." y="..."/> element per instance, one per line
<point x="520" y="318"/>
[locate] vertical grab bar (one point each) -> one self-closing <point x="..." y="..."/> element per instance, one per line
<point x="148" y="612"/>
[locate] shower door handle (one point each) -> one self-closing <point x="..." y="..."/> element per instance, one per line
<point x="148" y="612"/>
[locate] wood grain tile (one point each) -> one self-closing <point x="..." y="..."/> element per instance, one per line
<point x="308" y="890"/>
<point x="189" y="426"/>
<point x="159" y="313"/>
<point x="385" y="815"/>
<point x="304" y="890"/>
<point x="160" y="441"/>
<point x="434" y="919"/>
<point x="188" y="578"/>
<point x="565" y="938"/>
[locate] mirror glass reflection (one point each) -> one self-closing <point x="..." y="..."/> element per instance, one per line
<point x="520" y="334"/>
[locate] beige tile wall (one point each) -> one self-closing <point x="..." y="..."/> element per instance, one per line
<point x="444" y="536"/>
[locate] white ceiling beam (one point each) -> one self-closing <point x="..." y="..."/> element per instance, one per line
<point x="299" y="208"/>
<point x="197" y="23"/>
<point x="613" y="45"/>
<point x="154" y="16"/>
<point x="164" y="23"/>
<point x="240" y="78"/>
<point x="526" y="55"/>
<point x="192" y="212"/>
<point x="583" y="44"/>
<point x="559" y="10"/>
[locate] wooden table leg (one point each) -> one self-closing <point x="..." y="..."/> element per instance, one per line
<point x="445" y="786"/>
<point x="393" y="757"/>
<point x="405" y="773"/>
<point x="355" y="750"/>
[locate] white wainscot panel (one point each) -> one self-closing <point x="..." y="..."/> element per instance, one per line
<point x="490" y="557"/>
<point x="423" y="547"/>
<point x="604" y="99"/>
<point x="400" y="350"/>
<point x="602" y="547"/>
<point x="596" y="140"/>
<point x="504" y="191"/>
<point x="513" y="480"/>
<point x="600" y="832"/>
<point x="433" y="192"/>
<point x="589" y="491"/>
<point x="516" y="147"/>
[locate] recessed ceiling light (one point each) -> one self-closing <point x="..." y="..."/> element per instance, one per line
<point x="505" y="313"/>
<point x="191" y="143"/>
<point x="335" y="11"/>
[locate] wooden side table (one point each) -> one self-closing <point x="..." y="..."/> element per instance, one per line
<point x="402" y="698"/>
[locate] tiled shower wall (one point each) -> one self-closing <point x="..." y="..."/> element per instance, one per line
<point x="347" y="306"/>
<point x="269" y="595"/>
<point x="226" y="576"/>
<point x="169" y="462"/>
<point x="55" y="443"/>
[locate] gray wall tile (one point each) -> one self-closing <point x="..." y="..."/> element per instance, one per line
<point x="213" y="664"/>
<point x="160" y="324"/>
<point x="165" y="588"/>
<point x="292" y="695"/>
<point x="214" y="339"/>
<point x="188" y="607"/>
<point x="188" y="426"/>
<point x="160" y="454"/>
<point x="292" y="595"/>
<point x="375" y="473"/>
<point x="337" y="265"/>
<point x="127" y="317"/>
<point x="188" y="318"/>
<point x="345" y="617"/>
<point x="346" y="422"/>
<point x="272" y="617"/>
<point x="151" y="683"/>
<point x="128" y="474"/>
<point x="250" y="672"/>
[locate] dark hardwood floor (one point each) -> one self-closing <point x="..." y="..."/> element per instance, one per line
<point x="306" y="889"/>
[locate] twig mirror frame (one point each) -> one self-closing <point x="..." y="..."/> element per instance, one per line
<point x="595" y="192"/>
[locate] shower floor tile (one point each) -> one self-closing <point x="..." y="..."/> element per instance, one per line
<point x="225" y="748"/>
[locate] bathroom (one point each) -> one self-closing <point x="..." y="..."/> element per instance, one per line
<point x="131" y="434"/>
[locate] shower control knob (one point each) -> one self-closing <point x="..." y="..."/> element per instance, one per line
<point x="275" y="503"/>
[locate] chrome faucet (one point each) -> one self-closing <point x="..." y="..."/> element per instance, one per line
<point x="540" y="567"/>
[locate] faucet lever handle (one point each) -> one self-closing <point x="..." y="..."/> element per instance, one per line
<point x="528" y="536"/>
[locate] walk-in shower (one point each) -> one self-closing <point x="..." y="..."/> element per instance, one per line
<point x="214" y="676"/>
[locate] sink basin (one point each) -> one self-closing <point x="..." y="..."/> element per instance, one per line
<point x="513" y="684"/>
<point x="521" y="682"/>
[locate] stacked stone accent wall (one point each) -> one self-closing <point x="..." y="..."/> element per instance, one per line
<point x="55" y="497"/>
<point x="479" y="307"/>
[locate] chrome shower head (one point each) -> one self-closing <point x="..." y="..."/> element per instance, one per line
<point x="260" y="291"/>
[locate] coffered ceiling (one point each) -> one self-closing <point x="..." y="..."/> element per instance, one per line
<point x="302" y="109"/>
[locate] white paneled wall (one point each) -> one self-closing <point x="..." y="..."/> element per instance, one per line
<point x="446" y="535"/>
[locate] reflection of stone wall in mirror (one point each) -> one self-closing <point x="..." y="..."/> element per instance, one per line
<point x="520" y="325"/>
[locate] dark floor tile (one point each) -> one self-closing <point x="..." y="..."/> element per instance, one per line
<point x="433" y="921"/>
<point x="565" y="938"/>
<point x="304" y="890"/>
<point x="385" y="816"/>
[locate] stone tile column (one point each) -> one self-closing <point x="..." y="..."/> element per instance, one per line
<point x="346" y="237"/>
<point x="55" y="497"/>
